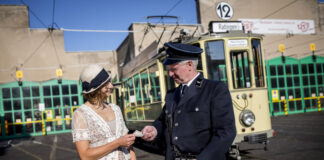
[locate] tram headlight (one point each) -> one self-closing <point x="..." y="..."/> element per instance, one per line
<point x="247" y="118"/>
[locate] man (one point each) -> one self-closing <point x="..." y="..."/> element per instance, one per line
<point x="197" y="121"/>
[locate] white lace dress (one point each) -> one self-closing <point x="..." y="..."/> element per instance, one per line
<point x="88" y="125"/>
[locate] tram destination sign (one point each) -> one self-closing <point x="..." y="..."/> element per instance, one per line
<point x="221" y="27"/>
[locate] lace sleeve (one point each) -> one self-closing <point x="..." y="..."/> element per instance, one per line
<point x="80" y="129"/>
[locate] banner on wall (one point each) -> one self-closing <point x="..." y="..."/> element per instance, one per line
<point x="279" y="26"/>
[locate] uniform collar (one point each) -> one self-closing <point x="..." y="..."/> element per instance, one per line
<point x="189" y="83"/>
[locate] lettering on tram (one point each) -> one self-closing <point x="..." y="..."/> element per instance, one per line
<point x="230" y="55"/>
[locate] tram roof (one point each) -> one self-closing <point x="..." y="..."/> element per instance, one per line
<point x="229" y="34"/>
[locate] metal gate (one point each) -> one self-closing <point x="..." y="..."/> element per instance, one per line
<point x="35" y="108"/>
<point x="312" y="77"/>
<point x="295" y="86"/>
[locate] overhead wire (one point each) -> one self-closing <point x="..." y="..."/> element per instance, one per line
<point x="54" y="46"/>
<point x="32" y="12"/>
<point x="283" y="7"/>
<point x="53" y="13"/>
<point x="35" y="51"/>
<point x="174" y="6"/>
<point x="164" y="28"/>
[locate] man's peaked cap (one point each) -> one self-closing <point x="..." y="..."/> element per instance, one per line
<point x="177" y="52"/>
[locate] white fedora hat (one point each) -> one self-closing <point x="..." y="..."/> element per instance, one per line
<point x="93" y="77"/>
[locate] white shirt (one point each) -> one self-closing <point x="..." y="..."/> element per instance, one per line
<point x="189" y="83"/>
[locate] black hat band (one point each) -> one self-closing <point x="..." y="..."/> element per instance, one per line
<point x="96" y="82"/>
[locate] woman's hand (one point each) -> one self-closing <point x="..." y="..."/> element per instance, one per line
<point x="126" y="140"/>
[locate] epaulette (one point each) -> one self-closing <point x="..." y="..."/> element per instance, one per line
<point x="199" y="82"/>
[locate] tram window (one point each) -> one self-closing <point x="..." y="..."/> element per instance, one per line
<point x="126" y="99"/>
<point x="131" y="91"/>
<point x="241" y="75"/>
<point x="215" y="56"/>
<point x="6" y="92"/>
<point x="138" y="90"/>
<point x="257" y="63"/>
<point x="145" y="87"/>
<point x="170" y="84"/>
<point x="199" y="66"/>
<point x="155" y="83"/>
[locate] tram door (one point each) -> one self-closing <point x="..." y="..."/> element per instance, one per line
<point x="215" y="57"/>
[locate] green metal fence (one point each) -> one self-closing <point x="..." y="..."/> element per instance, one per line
<point x="295" y="86"/>
<point x="35" y="108"/>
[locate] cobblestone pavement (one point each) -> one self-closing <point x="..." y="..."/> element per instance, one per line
<point x="299" y="137"/>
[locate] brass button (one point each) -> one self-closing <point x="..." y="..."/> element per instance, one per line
<point x="176" y="124"/>
<point x="175" y="138"/>
<point x="179" y="111"/>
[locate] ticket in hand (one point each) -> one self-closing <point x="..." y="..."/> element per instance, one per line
<point x="138" y="133"/>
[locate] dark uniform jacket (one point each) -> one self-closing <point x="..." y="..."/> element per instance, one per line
<point x="202" y="120"/>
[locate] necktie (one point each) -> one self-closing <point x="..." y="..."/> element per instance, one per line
<point x="183" y="89"/>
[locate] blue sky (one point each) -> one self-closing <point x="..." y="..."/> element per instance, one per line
<point x="112" y="15"/>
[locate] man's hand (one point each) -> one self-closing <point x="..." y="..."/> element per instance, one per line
<point x="149" y="133"/>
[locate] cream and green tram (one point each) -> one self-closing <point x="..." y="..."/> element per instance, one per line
<point x="233" y="57"/>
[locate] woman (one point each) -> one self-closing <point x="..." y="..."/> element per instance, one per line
<point x="98" y="128"/>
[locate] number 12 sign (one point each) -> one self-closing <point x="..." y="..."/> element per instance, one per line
<point x="224" y="11"/>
